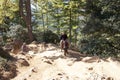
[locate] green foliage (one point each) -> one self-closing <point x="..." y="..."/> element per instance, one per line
<point x="59" y="15"/>
<point x="50" y="37"/>
<point x="103" y="28"/>
<point x="47" y="36"/>
<point x="18" y="32"/>
<point x="7" y="9"/>
<point x="38" y="35"/>
<point x="95" y="45"/>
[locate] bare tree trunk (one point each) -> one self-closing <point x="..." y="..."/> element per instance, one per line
<point x="76" y="37"/>
<point x="58" y="22"/>
<point x="28" y="21"/>
<point x="70" y="27"/>
<point x="43" y="22"/>
<point x="47" y="16"/>
<point x="26" y="15"/>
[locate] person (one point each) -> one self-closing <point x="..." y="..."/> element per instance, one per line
<point x="63" y="36"/>
<point x="64" y="43"/>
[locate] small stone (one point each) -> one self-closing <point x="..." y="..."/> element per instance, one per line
<point x="102" y="78"/>
<point x="29" y="75"/>
<point x="34" y="70"/>
<point x="48" y="62"/>
<point x="59" y="74"/>
<point x="90" y="68"/>
<point x="23" y="62"/>
<point x="25" y="79"/>
<point x="109" y="78"/>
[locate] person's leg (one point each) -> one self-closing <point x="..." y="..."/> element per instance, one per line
<point x="61" y="45"/>
<point x="65" y="51"/>
<point x="66" y="47"/>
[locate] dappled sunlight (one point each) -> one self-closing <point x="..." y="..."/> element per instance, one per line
<point x="59" y="40"/>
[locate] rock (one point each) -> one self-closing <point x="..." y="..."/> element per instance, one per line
<point x="91" y="59"/>
<point x="16" y="46"/>
<point x="34" y="70"/>
<point x="34" y="42"/>
<point x="91" y="68"/>
<point x="29" y="75"/>
<point x="109" y="78"/>
<point x="33" y="47"/>
<point x="102" y="78"/>
<point x="25" y="79"/>
<point x="3" y="78"/>
<point x="23" y="62"/>
<point x="9" y="71"/>
<point x="49" y="62"/>
<point x="28" y="57"/>
<point x="6" y="75"/>
<point x="9" y="74"/>
<point x="10" y="66"/>
<point x="59" y="73"/>
<point x="25" y="48"/>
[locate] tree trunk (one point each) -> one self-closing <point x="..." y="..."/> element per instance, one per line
<point x="58" y="22"/>
<point x="28" y="21"/>
<point x="43" y="22"/>
<point x="47" y="16"/>
<point x="76" y="37"/>
<point x="70" y="27"/>
<point x="26" y="15"/>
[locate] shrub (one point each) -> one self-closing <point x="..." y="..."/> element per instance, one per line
<point x="100" y="46"/>
<point x="17" y="31"/>
<point x="50" y="37"/>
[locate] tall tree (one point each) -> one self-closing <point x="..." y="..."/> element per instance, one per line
<point x="25" y="12"/>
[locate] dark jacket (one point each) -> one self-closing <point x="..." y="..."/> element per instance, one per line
<point x="63" y="37"/>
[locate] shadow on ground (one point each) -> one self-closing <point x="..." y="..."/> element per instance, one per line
<point x="72" y="54"/>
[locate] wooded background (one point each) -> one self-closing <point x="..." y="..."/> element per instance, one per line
<point x="93" y="26"/>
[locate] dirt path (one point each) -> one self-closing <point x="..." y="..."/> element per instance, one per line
<point x="52" y="65"/>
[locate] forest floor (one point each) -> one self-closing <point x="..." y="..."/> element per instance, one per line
<point x="51" y="64"/>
